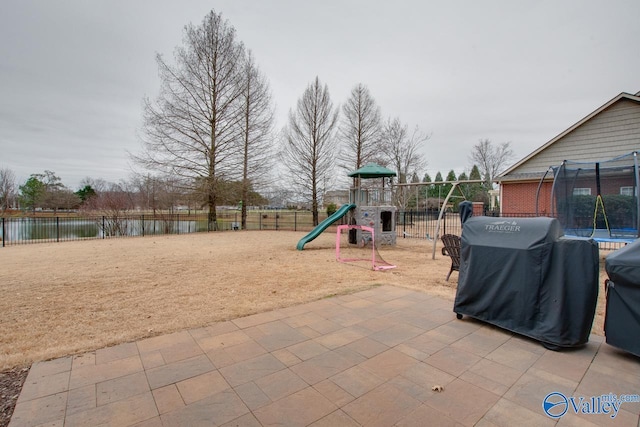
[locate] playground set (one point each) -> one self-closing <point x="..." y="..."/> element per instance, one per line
<point x="371" y="214"/>
<point x="370" y="217"/>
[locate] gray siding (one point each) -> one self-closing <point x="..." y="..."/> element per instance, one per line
<point x="613" y="132"/>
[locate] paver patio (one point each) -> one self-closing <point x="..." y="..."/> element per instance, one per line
<point x="370" y="358"/>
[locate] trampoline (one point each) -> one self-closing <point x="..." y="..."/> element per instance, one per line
<point x="598" y="200"/>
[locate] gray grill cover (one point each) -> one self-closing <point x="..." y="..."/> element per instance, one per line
<point x="522" y="275"/>
<point x="622" y="318"/>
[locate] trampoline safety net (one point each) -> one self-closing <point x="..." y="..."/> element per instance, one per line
<point x="598" y="199"/>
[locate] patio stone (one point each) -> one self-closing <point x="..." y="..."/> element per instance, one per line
<point x="252" y="369"/>
<point x="307" y="349"/>
<point x="506" y="414"/>
<point x="425" y="414"/>
<point x="491" y="376"/>
<point x="201" y="386"/>
<point x="40" y="386"/>
<point x="39" y="411"/>
<point x="321" y="367"/>
<point x="356" y="381"/>
<point x="252" y="395"/>
<point x="178" y="371"/>
<point x="50" y="367"/>
<point x="383" y="406"/>
<point x="213" y="410"/>
<point x="388" y="364"/>
<point x="463" y="402"/>
<point x="117" y="352"/>
<point x="281" y="384"/>
<point x="396" y="334"/>
<point x="367" y="347"/>
<point x="369" y="358"/>
<point x="516" y="355"/>
<point x="221" y="341"/>
<point x="138" y="408"/>
<point x="286" y="357"/>
<point x="334" y="393"/>
<point x="453" y="360"/>
<point x="289" y="410"/>
<point x="121" y="388"/>
<point x="93" y="374"/>
<point x="336" y="418"/>
<point x="168" y="398"/>
<point x="534" y="385"/>
<point x="81" y="399"/>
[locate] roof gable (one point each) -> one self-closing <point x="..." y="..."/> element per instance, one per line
<point x="621" y="98"/>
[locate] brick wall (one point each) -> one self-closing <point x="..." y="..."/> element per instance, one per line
<point x="520" y="198"/>
<point x="478" y="208"/>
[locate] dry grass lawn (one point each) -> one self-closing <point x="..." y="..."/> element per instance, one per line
<point x="58" y="299"/>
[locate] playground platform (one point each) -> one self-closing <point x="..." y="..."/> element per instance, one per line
<point x="382" y="357"/>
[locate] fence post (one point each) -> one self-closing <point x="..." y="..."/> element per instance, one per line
<point x="4" y="233"/>
<point x="295" y="220"/>
<point x="445" y="223"/>
<point x="404" y="224"/>
<point x="57" y="229"/>
<point x="142" y="220"/>
<point x="104" y="233"/>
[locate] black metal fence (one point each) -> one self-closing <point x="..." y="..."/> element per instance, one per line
<point x="423" y="224"/>
<point x="38" y="229"/>
<point x="41" y="229"/>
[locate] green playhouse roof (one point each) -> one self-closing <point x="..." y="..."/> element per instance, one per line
<point x="372" y="170"/>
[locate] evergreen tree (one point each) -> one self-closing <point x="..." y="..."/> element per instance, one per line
<point x="475" y="190"/>
<point x="436" y="190"/>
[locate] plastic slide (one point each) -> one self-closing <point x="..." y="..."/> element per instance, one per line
<point x="324" y="224"/>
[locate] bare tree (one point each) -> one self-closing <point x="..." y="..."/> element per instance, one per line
<point x="191" y="130"/>
<point x="402" y="148"/>
<point x="310" y="144"/>
<point x="402" y="151"/>
<point x="56" y="195"/>
<point x="490" y="159"/>
<point x="98" y="184"/>
<point x="110" y="207"/>
<point x="257" y="131"/>
<point x="360" y="129"/>
<point x="159" y="194"/>
<point x="7" y="189"/>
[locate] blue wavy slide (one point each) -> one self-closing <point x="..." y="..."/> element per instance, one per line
<point x="324" y="224"/>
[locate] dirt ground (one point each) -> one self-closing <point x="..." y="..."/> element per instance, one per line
<point x="58" y="299"/>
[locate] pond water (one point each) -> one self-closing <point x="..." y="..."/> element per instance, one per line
<point x="25" y="229"/>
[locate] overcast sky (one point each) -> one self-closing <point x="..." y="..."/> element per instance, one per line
<point x="73" y="73"/>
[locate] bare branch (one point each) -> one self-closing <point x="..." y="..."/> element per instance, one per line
<point x="360" y="129"/>
<point x="310" y="144"/>
<point x="191" y="131"/>
<point x="256" y="128"/>
<point x="7" y="189"/>
<point x="491" y="159"/>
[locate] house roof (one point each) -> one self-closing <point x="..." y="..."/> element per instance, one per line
<point x="508" y="173"/>
<point x="526" y="176"/>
